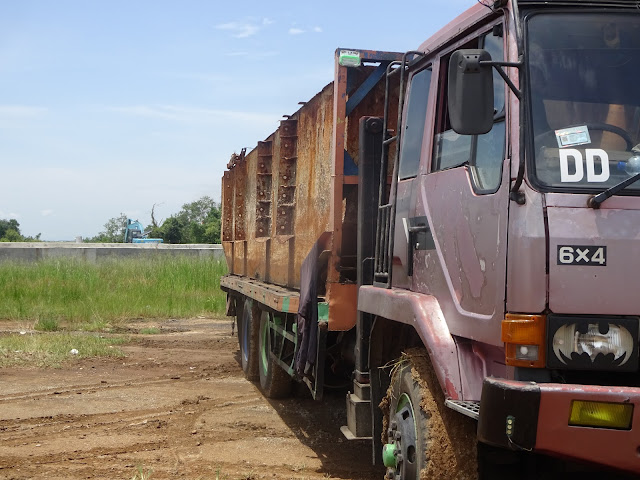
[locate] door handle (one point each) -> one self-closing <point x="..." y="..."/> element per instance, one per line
<point x="413" y="245"/>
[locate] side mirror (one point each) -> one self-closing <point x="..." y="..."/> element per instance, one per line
<point x="470" y="92"/>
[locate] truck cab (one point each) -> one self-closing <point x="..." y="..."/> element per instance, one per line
<point x="514" y="229"/>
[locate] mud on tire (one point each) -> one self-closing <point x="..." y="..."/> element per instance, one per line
<point x="429" y="440"/>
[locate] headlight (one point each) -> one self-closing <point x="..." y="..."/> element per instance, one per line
<point x="593" y="343"/>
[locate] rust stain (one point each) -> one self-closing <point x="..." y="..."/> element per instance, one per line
<point x="289" y="190"/>
<point x="343" y="303"/>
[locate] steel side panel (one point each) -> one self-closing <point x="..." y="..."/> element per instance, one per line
<point x="460" y="24"/>
<point x="594" y="289"/>
<point x="277" y="298"/>
<point x="337" y="164"/>
<point x="470" y="237"/>
<point x="424" y="313"/>
<point x="304" y="186"/>
<point x="526" y="266"/>
<point x="615" y="448"/>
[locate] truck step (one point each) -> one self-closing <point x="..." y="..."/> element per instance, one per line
<point x="358" y="418"/>
<point x="469" y="408"/>
<point x="350" y="436"/>
<point x="362" y="390"/>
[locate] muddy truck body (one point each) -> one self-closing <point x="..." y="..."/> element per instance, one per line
<point x="454" y="232"/>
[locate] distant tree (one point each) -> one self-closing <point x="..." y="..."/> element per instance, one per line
<point x="196" y="222"/>
<point x="6" y="225"/>
<point x="113" y="231"/>
<point x="10" y="232"/>
<point x="11" y="236"/>
<point x="172" y="230"/>
<point x="212" y="232"/>
<point x="198" y="211"/>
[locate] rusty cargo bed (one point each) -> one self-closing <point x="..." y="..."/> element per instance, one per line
<point x="299" y="188"/>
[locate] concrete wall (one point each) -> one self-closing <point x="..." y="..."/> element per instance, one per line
<point x="95" y="252"/>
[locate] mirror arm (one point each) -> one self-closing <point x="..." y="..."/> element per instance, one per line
<point x="514" y="194"/>
<point x="498" y="66"/>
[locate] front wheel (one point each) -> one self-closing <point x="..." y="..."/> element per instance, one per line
<point x="425" y="439"/>
<point x="274" y="381"/>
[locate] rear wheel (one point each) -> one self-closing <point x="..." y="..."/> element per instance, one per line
<point x="248" y="329"/>
<point x="423" y="435"/>
<point x="238" y="318"/>
<point x="274" y="381"/>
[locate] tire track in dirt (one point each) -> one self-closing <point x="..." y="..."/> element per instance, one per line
<point x="177" y="404"/>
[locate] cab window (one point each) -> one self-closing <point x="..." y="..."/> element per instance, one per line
<point x="484" y="154"/>
<point x="413" y="128"/>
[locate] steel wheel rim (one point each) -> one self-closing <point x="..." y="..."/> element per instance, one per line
<point x="403" y="433"/>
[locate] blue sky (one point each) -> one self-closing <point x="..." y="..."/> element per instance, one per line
<point x="114" y="106"/>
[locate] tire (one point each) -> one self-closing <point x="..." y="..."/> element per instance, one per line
<point x="274" y="381"/>
<point x="248" y="329"/>
<point x="424" y="438"/>
<point x="238" y="319"/>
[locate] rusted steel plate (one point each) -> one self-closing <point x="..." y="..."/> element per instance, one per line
<point x="278" y="298"/>
<point x="281" y="197"/>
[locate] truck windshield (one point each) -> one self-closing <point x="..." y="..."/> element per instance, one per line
<point x="585" y="101"/>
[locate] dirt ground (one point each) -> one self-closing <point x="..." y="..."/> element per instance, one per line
<point x="178" y="405"/>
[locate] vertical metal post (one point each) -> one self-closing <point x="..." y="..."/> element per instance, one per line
<point x="370" y="147"/>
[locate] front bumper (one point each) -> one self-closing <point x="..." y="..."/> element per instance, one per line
<point x="538" y="416"/>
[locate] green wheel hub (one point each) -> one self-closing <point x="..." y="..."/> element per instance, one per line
<point x="389" y="456"/>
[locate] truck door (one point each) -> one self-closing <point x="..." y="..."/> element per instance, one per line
<point x="413" y="127"/>
<point x="459" y="256"/>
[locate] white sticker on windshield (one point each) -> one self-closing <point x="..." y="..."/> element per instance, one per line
<point x="573" y="171"/>
<point x="569" y="137"/>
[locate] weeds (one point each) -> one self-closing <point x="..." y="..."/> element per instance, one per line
<point x="149" y="331"/>
<point x="50" y="350"/>
<point x="80" y="295"/>
<point x="142" y="475"/>
<point x="47" y="325"/>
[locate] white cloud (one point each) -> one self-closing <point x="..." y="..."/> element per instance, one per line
<point x="4" y="215"/>
<point x="271" y="53"/>
<point x="246" y="28"/>
<point x="144" y="111"/>
<point x="253" y="55"/>
<point x="21" y="111"/>
<point x="201" y="76"/>
<point x="46" y="212"/>
<point x="240" y="30"/>
<point x="317" y="29"/>
<point x="295" y="31"/>
<point x="192" y="114"/>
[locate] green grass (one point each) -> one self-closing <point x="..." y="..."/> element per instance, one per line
<point x="149" y="331"/>
<point x="71" y="294"/>
<point x="51" y="349"/>
<point x="47" y="325"/>
<point x="142" y="475"/>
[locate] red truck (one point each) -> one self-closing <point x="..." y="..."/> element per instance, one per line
<point x="454" y="232"/>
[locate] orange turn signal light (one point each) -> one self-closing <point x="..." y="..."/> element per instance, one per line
<point x="524" y="340"/>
